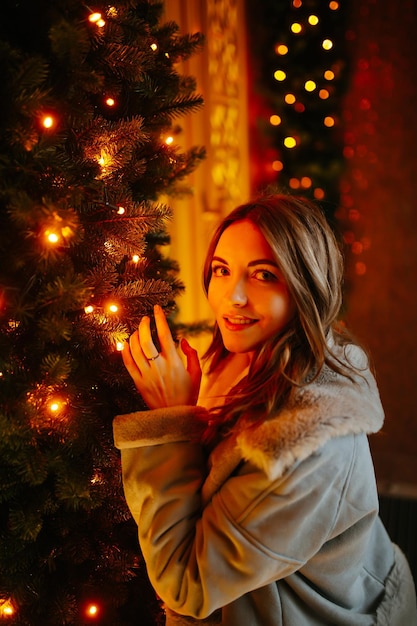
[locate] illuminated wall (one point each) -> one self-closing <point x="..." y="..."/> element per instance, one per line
<point x="221" y="182"/>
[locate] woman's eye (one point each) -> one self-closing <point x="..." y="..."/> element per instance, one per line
<point x="265" y="275"/>
<point x="219" y="270"/>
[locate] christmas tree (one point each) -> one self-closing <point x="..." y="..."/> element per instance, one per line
<point x="90" y="100"/>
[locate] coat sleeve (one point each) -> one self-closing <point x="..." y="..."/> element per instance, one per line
<point x="253" y="531"/>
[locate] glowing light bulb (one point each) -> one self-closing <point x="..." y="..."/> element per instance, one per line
<point x="92" y="610"/>
<point x="281" y="49"/>
<point x="294" y="183"/>
<point x="113" y="308"/>
<point x="324" y="94"/>
<point x="280" y="75"/>
<point x="121" y="210"/>
<point x="290" y="142"/>
<point x="6" y="608"/>
<point x="48" y="121"/>
<point x="277" y="166"/>
<point x="120" y="346"/>
<point x="94" y="17"/>
<point x="306" y="182"/>
<point x="329" y="75"/>
<point x="169" y="140"/>
<point x="89" y="309"/>
<point x="318" y="193"/>
<point x="313" y="20"/>
<point x="327" y="44"/>
<point x="297" y="4"/>
<point x="290" y="98"/>
<point x="333" y="5"/>
<point x="51" y="236"/>
<point x="154" y="46"/>
<point x="329" y="121"/>
<point x="110" y="102"/>
<point x="275" y="120"/>
<point x="296" y="28"/>
<point x="310" y="85"/>
<point x="135" y="258"/>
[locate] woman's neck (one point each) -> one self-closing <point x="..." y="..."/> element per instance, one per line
<point x="217" y="384"/>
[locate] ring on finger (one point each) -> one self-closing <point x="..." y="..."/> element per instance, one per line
<point x="153" y="358"/>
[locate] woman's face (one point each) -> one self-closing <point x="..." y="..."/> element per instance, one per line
<point x="247" y="291"/>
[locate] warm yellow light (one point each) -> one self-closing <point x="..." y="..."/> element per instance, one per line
<point x="313" y="20"/>
<point x="154" y="46"/>
<point x="54" y="406"/>
<point x="135" y="258"/>
<point x="290" y="142"/>
<point x="120" y="346"/>
<point x="48" y="121"/>
<point x="6" y="608"/>
<point x="280" y="75"/>
<point x="329" y="75"/>
<point x="281" y="49"/>
<point x="94" y="17"/>
<point x="169" y="140"/>
<point x="327" y="44"/>
<point x="92" y="610"/>
<point x="51" y="236"/>
<point x="110" y="102"/>
<point x="310" y="85"/>
<point x="296" y="28"/>
<point x="100" y="23"/>
<point x="329" y="121"/>
<point x="290" y="98"/>
<point x="324" y="94"/>
<point x="121" y="210"/>
<point x="113" y="308"/>
<point x="88" y="309"/>
<point x="318" y="193"/>
<point x="277" y="166"/>
<point x="333" y="5"/>
<point x="275" y="120"/>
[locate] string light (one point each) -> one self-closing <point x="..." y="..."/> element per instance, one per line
<point x="327" y="44"/>
<point x="310" y="85"/>
<point x="290" y="142"/>
<point x="96" y="18"/>
<point x="328" y="75"/>
<point x="120" y="346"/>
<point x="169" y="140"/>
<point x="92" y="610"/>
<point x="329" y="121"/>
<point x="281" y="49"/>
<point x="280" y="75"/>
<point x="113" y="308"/>
<point x="7" y="608"/>
<point x="333" y="6"/>
<point x="277" y="166"/>
<point x="121" y="210"/>
<point x="324" y="94"/>
<point x="110" y="102"/>
<point x="48" y="121"/>
<point x="313" y="20"/>
<point x="135" y="258"/>
<point x="296" y="28"/>
<point x="51" y="236"/>
<point x="89" y="309"/>
<point x="154" y="46"/>
<point x="290" y="98"/>
<point x="275" y="120"/>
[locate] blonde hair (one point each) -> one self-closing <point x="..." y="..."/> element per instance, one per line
<point x="307" y="252"/>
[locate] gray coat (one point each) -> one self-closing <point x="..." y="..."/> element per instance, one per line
<point x="280" y="525"/>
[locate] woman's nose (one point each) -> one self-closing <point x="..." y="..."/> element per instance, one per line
<point x="238" y="294"/>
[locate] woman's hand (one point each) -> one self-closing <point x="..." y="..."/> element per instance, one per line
<point x="161" y="378"/>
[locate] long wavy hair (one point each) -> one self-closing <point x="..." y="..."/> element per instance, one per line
<point x="307" y="252"/>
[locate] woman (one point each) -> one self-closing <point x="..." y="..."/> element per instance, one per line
<point x="255" y="495"/>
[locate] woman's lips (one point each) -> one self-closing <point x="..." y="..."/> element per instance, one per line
<point x="238" y="323"/>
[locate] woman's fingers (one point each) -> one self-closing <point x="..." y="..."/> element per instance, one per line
<point x="166" y="341"/>
<point x="193" y="367"/>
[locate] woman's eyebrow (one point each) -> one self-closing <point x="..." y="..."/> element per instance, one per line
<point x="262" y="262"/>
<point x="219" y="260"/>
